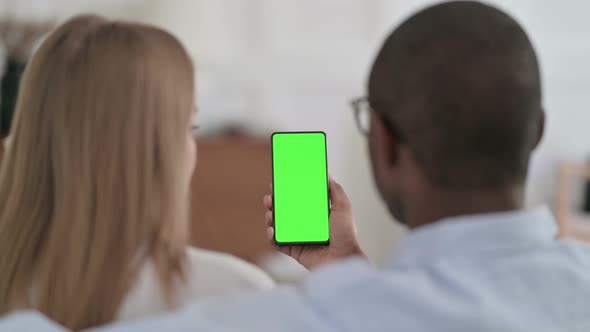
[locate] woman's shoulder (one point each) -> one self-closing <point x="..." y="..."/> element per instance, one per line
<point x="211" y="272"/>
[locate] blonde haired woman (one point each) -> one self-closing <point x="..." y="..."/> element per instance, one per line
<point x="94" y="187"/>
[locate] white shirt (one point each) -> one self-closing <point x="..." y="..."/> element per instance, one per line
<point x="492" y="272"/>
<point x="208" y="273"/>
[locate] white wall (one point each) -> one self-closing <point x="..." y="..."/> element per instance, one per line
<point x="290" y="65"/>
<point x="294" y="64"/>
<point x="285" y="64"/>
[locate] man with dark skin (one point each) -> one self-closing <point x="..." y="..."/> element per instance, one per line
<point x="454" y="102"/>
<point x="465" y="100"/>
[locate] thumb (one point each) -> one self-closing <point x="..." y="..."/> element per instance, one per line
<point x="340" y="201"/>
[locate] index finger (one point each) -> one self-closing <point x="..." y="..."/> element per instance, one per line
<point x="267" y="201"/>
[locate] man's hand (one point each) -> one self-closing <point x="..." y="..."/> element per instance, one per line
<point x="343" y="237"/>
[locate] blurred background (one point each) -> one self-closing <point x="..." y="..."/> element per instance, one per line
<point x="269" y="65"/>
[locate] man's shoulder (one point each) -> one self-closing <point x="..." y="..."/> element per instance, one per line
<point x="536" y="287"/>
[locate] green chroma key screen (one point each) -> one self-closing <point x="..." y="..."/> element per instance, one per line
<point x="300" y="188"/>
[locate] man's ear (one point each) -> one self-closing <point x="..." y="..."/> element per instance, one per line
<point x="386" y="145"/>
<point x="540" y="129"/>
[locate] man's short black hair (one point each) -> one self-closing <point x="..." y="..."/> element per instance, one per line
<point x="460" y="81"/>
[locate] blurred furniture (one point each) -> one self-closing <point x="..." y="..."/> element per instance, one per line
<point x="18" y="39"/>
<point x="572" y="224"/>
<point x="8" y="92"/>
<point x="233" y="174"/>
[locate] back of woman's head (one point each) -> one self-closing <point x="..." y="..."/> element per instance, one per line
<point x="95" y="181"/>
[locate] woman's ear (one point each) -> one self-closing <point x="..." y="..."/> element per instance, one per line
<point x="540" y="129"/>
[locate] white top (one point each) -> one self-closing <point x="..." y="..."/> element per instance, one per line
<point x="208" y="273"/>
<point x="282" y="268"/>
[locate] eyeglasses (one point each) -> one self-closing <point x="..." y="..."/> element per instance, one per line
<point x="362" y="114"/>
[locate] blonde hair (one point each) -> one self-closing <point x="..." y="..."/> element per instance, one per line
<point x="91" y="186"/>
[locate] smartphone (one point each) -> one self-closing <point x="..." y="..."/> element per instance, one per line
<point x="301" y="205"/>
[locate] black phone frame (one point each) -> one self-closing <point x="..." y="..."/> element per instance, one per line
<point x="305" y="243"/>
